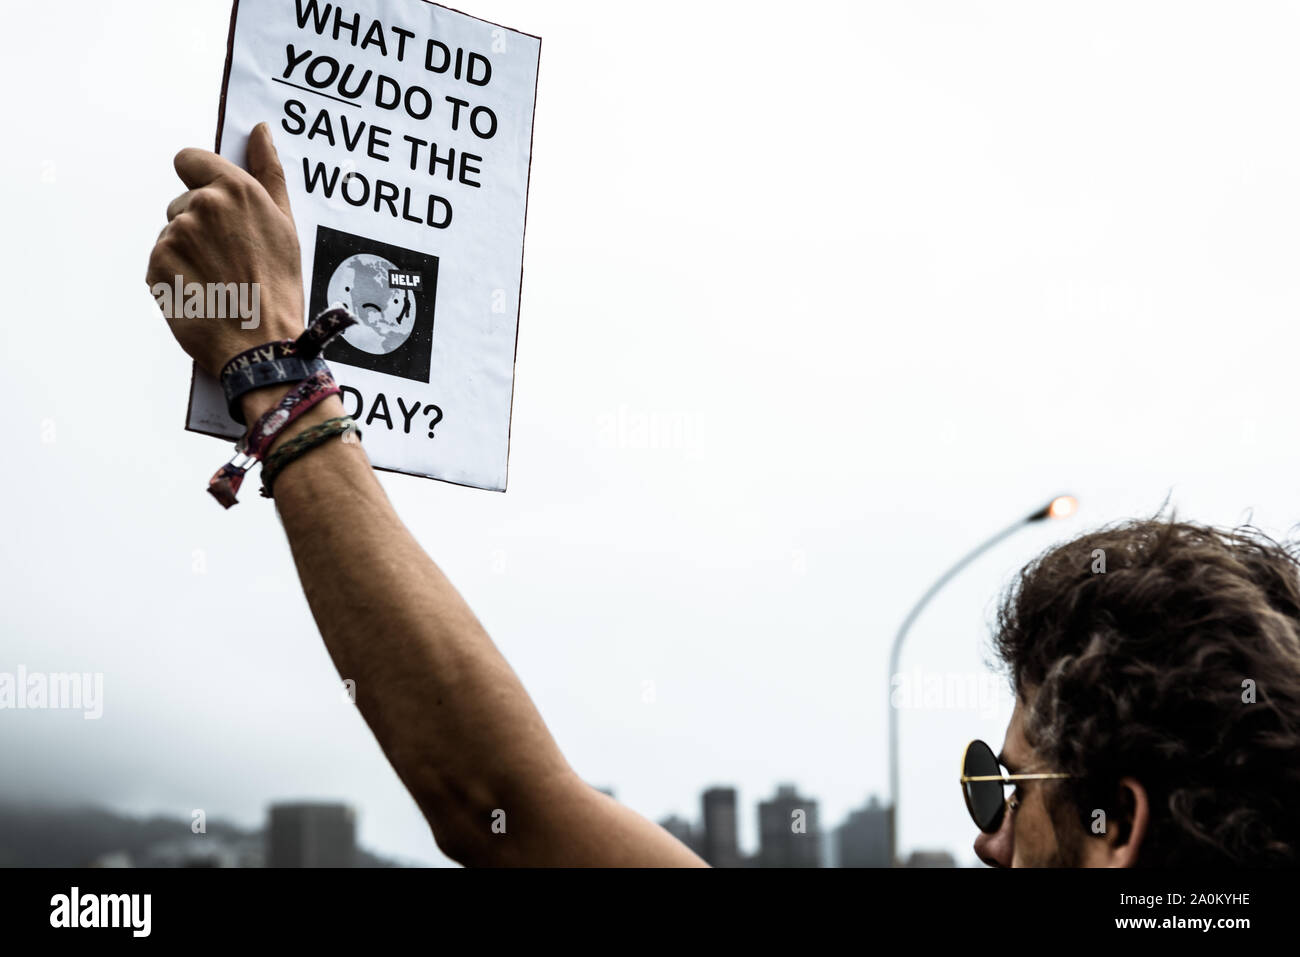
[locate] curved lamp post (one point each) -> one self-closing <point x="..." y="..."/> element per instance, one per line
<point x="1063" y="506"/>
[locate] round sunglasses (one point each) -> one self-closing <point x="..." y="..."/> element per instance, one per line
<point x="984" y="783"/>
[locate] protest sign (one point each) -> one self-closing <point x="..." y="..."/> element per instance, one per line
<point x="405" y="131"/>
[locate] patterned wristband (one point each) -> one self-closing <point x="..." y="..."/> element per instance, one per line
<point x="286" y="360"/>
<point x="323" y="328"/>
<point x="241" y="381"/>
<point x="224" y="485"/>
<point x="307" y="394"/>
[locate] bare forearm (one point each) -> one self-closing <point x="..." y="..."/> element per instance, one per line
<point x="449" y="712"/>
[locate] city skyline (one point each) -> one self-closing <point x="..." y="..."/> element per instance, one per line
<point x="864" y="838"/>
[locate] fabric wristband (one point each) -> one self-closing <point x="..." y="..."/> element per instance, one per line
<point x="300" y="445"/>
<point x="258" y="375"/>
<point x="285" y="360"/>
<point x="224" y="485"/>
<point x="306" y="394"/>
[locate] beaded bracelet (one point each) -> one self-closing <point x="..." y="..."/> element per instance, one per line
<point x="300" y="445"/>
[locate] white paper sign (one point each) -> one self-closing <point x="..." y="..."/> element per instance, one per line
<point x="405" y="130"/>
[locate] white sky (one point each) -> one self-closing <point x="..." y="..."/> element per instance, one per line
<point x="892" y="273"/>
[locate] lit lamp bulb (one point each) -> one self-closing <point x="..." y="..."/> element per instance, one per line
<point x="1063" y="506"/>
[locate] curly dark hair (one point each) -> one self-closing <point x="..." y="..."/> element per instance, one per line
<point x="1135" y="649"/>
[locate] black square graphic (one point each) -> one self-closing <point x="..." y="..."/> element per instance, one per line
<point x="391" y="290"/>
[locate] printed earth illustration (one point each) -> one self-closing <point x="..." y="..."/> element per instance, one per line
<point x="386" y="315"/>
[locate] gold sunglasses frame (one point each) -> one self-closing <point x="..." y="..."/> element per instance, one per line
<point x="1004" y="778"/>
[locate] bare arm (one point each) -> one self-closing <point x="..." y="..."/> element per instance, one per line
<point x="448" y="711"/>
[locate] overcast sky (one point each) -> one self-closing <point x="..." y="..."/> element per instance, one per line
<point x="886" y="275"/>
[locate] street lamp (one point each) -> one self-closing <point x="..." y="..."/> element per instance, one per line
<point x="1063" y="506"/>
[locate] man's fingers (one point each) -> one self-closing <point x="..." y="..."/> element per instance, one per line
<point x="264" y="164"/>
<point x="164" y="264"/>
<point x="177" y="205"/>
<point x="198" y="167"/>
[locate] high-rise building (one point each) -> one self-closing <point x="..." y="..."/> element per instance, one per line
<point x="865" y="839"/>
<point x="788" y="831"/>
<point x="311" y="835"/>
<point x="720" y="845"/>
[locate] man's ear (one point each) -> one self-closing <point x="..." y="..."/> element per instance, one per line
<point x="1123" y="839"/>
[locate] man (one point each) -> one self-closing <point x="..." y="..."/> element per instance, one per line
<point x="1157" y="664"/>
<point x="1130" y="679"/>
<point x="451" y="716"/>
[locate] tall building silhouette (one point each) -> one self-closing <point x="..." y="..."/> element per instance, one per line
<point x="866" y="838"/>
<point x="311" y="835"/>
<point x="720" y="846"/>
<point x="788" y="831"/>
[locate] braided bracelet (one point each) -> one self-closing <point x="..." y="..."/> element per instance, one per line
<point x="285" y="360"/>
<point x="300" y="445"/>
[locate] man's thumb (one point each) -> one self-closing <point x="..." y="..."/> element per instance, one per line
<point x="264" y="164"/>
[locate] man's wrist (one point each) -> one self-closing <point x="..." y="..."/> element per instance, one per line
<point x="260" y="401"/>
<point x="257" y="378"/>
